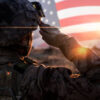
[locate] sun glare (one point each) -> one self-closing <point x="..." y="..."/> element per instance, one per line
<point x="81" y="51"/>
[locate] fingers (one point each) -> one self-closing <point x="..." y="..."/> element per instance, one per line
<point x="44" y="26"/>
<point x="44" y="35"/>
<point x="49" y="33"/>
<point x="47" y="27"/>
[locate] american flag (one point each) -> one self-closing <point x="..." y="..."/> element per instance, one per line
<point x="77" y="18"/>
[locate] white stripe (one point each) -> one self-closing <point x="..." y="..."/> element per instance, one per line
<point x="91" y="43"/>
<point x="57" y="1"/>
<point x="81" y="28"/>
<point x="78" y="11"/>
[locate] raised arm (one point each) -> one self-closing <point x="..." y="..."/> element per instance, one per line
<point x="84" y="58"/>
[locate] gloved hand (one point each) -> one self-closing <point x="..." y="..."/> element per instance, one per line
<point x="50" y="34"/>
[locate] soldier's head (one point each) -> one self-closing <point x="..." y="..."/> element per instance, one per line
<point x="18" y="19"/>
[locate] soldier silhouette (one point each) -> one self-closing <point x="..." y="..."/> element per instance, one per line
<point x="42" y="83"/>
<point x="38" y="81"/>
<point x="15" y="40"/>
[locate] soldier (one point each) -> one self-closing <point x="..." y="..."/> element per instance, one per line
<point x="86" y="61"/>
<point x="39" y="82"/>
<point x="15" y="39"/>
<point x="42" y="83"/>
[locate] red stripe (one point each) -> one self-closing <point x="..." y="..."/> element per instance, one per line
<point x="86" y="36"/>
<point x="75" y="3"/>
<point x="79" y="20"/>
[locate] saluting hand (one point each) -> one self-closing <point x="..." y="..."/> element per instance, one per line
<point x="50" y="34"/>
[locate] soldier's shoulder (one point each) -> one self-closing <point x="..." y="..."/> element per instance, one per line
<point x="94" y="75"/>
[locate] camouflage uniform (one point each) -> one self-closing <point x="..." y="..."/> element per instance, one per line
<point x="41" y="83"/>
<point x="15" y="43"/>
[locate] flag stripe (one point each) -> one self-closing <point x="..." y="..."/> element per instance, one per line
<point x="79" y="11"/>
<point x="90" y="43"/>
<point x="81" y="28"/>
<point x="86" y="36"/>
<point x="70" y="3"/>
<point x="57" y="1"/>
<point x="80" y="20"/>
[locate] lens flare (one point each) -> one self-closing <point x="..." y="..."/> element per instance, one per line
<point x="81" y="51"/>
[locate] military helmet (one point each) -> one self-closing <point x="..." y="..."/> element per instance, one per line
<point x="15" y="17"/>
<point x="9" y="9"/>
